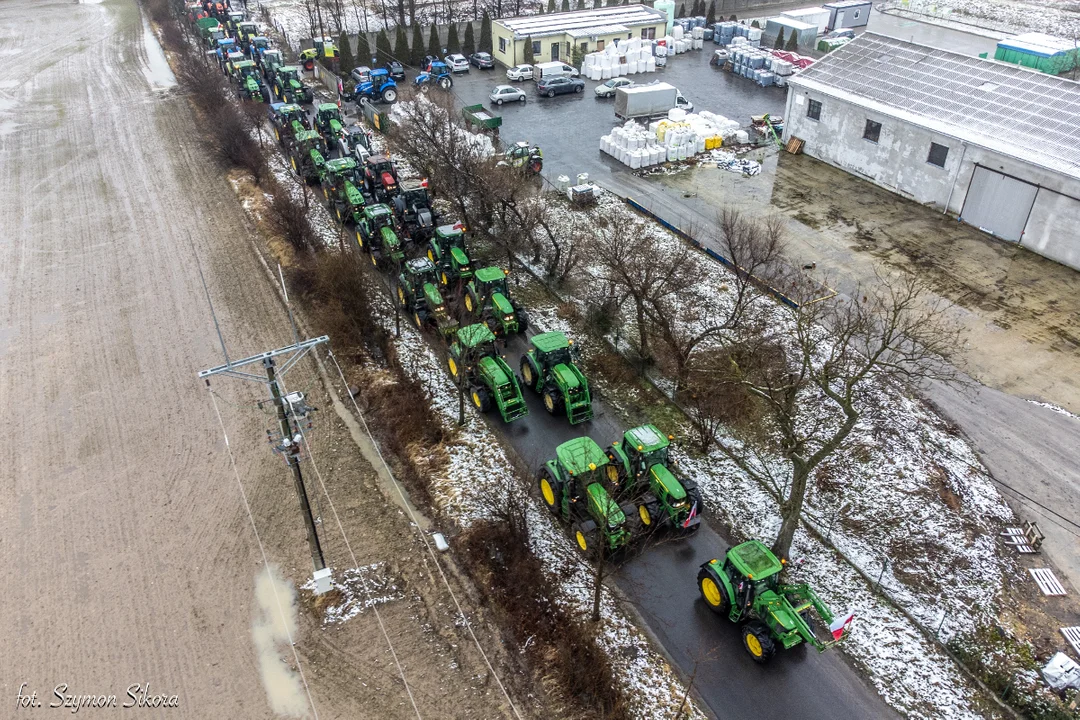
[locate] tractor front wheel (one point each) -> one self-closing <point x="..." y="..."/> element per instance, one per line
<point x="469" y="305"/>
<point x="758" y="641"/>
<point x="713" y="592"/>
<point x="454" y="369"/>
<point x="552" y="401"/>
<point x="550" y="491"/>
<point x="587" y="538"/>
<point x="359" y="238"/>
<point x="528" y="377"/>
<point x="401" y="296"/>
<point x="418" y="321"/>
<point x="481" y="399"/>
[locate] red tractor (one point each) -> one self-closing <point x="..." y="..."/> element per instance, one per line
<point x="380" y="178"/>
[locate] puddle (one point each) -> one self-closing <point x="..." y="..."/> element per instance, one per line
<point x="157" y="70"/>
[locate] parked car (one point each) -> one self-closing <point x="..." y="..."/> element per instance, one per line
<point x="608" y="89"/>
<point x="552" y="69"/>
<point x="482" y="60"/>
<point x="559" y="86"/>
<point x="844" y="33"/>
<point x="396" y="69"/>
<point x="457" y="63"/>
<point x="520" y="72"/>
<point x="507" y="93"/>
<point x="361" y="73"/>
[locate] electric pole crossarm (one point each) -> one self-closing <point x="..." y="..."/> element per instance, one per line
<point x="229" y="367"/>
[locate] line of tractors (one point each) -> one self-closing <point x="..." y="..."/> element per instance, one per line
<point x="607" y="496"/>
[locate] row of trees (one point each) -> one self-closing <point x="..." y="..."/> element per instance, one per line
<point x="776" y="388"/>
<point x="412" y="52"/>
<point x="791" y="44"/>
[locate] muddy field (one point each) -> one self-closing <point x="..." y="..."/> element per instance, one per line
<point x="130" y="557"/>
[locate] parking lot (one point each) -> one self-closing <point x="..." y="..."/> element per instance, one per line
<point x="568" y="127"/>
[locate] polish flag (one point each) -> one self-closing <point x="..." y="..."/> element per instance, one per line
<point x="840" y="624"/>
<point x="691" y="516"/>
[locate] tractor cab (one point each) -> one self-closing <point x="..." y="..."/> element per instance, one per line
<point x="435" y="72"/>
<point x="482" y="373"/>
<point x="642" y="468"/>
<point x="487" y="296"/>
<point x="244" y="69"/>
<point x="214" y="34"/>
<point x="355" y="143"/>
<point x="375" y="85"/>
<point x="380" y="178"/>
<point x="231" y="59"/>
<point x="288" y="87"/>
<point x="418" y="292"/>
<point x="413" y="206"/>
<point x="194" y="11"/>
<point x="256" y="45"/>
<point x="323" y="48"/>
<point x="269" y="61"/>
<point x="746" y="588"/>
<point x="282" y="116"/>
<point x="572" y="487"/>
<point x="338" y="181"/>
<point x="549" y="368"/>
<point x="308" y="155"/>
<point x="328" y="121"/>
<point x="373" y="221"/>
<point x="233" y="18"/>
<point x="224" y="46"/>
<point x="447" y="250"/>
<point x="245" y="31"/>
<point x="526" y="157"/>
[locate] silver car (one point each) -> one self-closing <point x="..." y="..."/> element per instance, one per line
<point x="608" y="89"/>
<point x="507" y="93"/>
<point x="520" y="72"/>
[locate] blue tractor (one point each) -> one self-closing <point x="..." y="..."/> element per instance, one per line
<point x="435" y="73"/>
<point x="378" y="86"/>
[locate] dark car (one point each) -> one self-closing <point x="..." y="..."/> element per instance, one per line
<point x="559" y="86"/>
<point x="482" y="60"/>
<point x="396" y="70"/>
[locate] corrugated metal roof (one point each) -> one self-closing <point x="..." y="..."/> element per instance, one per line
<point x="1040" y="43"/>
<point x="597" y="30"/>
<point x="568" y="22"/>
<point x="1012" y="110"/>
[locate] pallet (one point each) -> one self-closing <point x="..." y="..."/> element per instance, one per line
<point x="1047" y="581"/>
<point x="1072" y="634"/>
<point x="795" y="145"/>
<point x="1027" y="540"/>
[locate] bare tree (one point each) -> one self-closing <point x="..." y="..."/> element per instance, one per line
<point x="811" y="384"/>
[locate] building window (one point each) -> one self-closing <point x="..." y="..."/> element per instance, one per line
<point x="857" y="14"/>
<point x="648" y="33"/>
<point x="502" y="45"/>
<point x="814" y="110"/>
<point x="584" y="48"/>
<point x="536" y="49"/>
<point x="872" y="131"/>
<point x="937" y="155"/>
<point x="599" y="45"/>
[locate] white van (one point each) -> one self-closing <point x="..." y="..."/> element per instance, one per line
<point x="543" y="71"/>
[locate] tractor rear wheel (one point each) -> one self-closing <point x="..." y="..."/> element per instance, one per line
<point x="469" y="303"/>
<point x="481" y="399"/>
<point x="552" y="401"/>
<point x="418" y="321"/>
<point x="359" y="238"/>
<point x="587" y="538"/>
<point x="550" y="491"/>
<point x="454" y="369"/>
<point x="758" y="641"/>
<point x="713" y="592"/>
<point x="401" y="296"/>
<point x="528" y="377"/>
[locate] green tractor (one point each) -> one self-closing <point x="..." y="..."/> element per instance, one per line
<point x="548" y="368"/>
<point x="573" y="489"/>
<point x="418" y="293"/>
<point x="246" y="75"/>
<point x="480" y="371"/>
<point x="447" y="250"/>
<point x="487" y="297"/>
<point x="746" y="588"/>
<point x="308" y="155"/>
<point x="339" y="189"/>
<point x="244" y="32"/>
<point x="289" y="88"/>
<point x="376" y="232"/>
<point x="329" y="123"/>
<point x="642" y="469"/>
<point x="269" y="61"/>
<point x="284" y="117"/>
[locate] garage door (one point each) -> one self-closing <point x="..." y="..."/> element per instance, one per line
<point x="998" y="204"/>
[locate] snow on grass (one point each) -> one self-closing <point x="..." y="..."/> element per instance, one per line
<point x="361" y="588"/>
<point x="910" y="488"/>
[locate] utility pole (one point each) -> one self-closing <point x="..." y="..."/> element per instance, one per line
<point x="291" y="411"/>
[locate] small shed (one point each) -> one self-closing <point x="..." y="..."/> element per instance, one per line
<point x="814" y="15"/>
<point x="1052" y="55"/>
<point x="848" y="14"/>
<point x="805" y="33"/>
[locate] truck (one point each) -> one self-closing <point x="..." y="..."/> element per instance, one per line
<point x="646" y="101"/>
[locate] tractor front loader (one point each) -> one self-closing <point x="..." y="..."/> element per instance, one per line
<point x="572" y="487"/>
<point x="549" y="369"/>
<point x="487" y="297"/>
<point x="418" y="293"/>
<point x="643" y="470"/>
<point x="481" y="372"/>
<point x="447" y="250"/>
<point x="745" y="588"/>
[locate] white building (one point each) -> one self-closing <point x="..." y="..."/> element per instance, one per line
<point x="994" y="144"/>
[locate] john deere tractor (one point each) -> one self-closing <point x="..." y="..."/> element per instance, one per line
<point x="573" y="489"/>
<point x="380" y="178"/>
<point x="487" y="297"/>
<point x="339" y="189"/>
<point x="289" y="88"/>
<point x="418" y="293"/>
<point x="376" y="232"/>
<point x="282" y="117"/>
<point x="413" y="207"/>
<point x="477" y="367"/>
<point x="247" y="80"/>
<point x="308" y="155"/>
<point x="643" y="471"/>
<point x="746" y="589"/>
<point x="269" y="61"/>
<point x="447" y="250"/>
<point x="329" y="123"/>
<point x="548" y="368"/>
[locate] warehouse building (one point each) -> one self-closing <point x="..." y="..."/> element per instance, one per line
<point x="555" y="35"/>
<point x="994" y="144"/>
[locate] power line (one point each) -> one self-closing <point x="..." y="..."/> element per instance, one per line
<point x="423" y="537"/>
